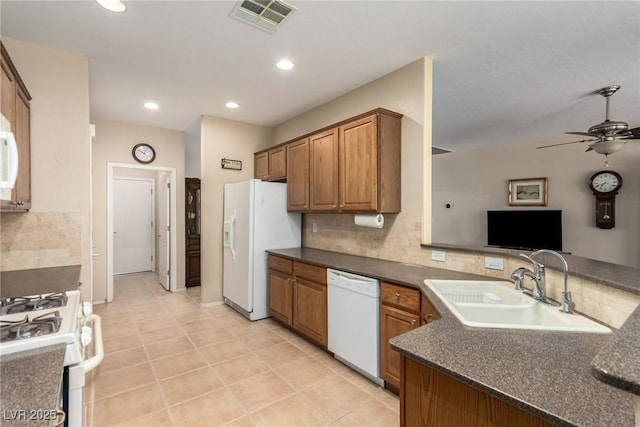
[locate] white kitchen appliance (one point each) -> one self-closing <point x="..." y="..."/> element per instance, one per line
<point x="37" y="321"/>
<point x="255" y="219"/>
<point x="8" y="159"/>
<point x="353" y="312"/>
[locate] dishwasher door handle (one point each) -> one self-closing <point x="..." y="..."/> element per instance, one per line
<point x="349" y="279"/>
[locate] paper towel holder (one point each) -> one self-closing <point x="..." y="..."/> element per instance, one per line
<point x="374" y="220"/>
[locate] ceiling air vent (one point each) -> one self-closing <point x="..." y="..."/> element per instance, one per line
<point x="439" y="150"/>
<point x="268" y="15"/>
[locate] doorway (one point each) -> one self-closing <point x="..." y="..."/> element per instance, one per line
<point x="163" y="229"/>
<point x="167" y="212"/>
<point x="133" y="225"/>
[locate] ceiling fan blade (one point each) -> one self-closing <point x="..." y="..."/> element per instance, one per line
<point x="635" y="132"/>
<point x="567" y="143"/>
<point x="588" y="149"/>
<point x="579" y="133"/>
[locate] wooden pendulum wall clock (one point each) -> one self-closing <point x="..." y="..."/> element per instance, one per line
<point x="605" y="186"/>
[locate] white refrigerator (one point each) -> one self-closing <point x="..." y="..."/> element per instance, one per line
<point x="255" y="219"/>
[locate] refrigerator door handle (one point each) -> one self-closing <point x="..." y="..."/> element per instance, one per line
<point x="232" y="235"/>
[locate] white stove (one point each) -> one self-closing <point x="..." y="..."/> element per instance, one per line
<point x="37" y="321"/>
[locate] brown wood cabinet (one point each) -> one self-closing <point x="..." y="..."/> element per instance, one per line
<point x="429" y="398"/>
<point x="15" y="107"/>
<point x="297" y="294"/>
<point x="323" y="170"/>
<point x="271" y="165"/>
<point x="192" y="232"/>
<point x="359" y="165"/>
<point x="298" y="175"/>
<point x="355" y="166"/>
<point x="399" y="313"/>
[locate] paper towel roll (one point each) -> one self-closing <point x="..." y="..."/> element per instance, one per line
<point x="369" y="220"/>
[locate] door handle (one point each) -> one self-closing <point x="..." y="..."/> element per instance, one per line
<point x="232" y="235"/>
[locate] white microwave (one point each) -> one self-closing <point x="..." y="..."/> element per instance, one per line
<point x="8" y="164"/>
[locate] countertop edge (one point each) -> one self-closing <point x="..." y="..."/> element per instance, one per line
<point x="614" y="363"/>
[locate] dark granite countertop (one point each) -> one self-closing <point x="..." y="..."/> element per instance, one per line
<point x="35" y="281"/>
<point x="545" y="373"/>
<point x="30" y="386"/>
<point x="618" y="362"/>
<point x="397" y="272"/>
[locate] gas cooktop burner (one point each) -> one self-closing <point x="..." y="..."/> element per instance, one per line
<point x="35" y="303"/>
<point x="21" y="329"/>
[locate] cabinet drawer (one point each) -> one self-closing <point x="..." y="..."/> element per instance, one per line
<point x="310" y="272"/>
<point x="400" y="296"/>
<point x="281" y="264"/>
<point x="428" y="312"/>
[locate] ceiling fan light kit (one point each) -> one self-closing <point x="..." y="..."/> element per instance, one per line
<point x="609" y="136"/>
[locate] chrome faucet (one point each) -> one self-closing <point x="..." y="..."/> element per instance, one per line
<point x="538" y="279"/>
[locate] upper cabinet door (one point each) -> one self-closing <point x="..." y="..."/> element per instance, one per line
<point x="298" y="175"/>
<point x="261" y="166"/>
<point x="359" y="165"/>
<point x="278" y="164"/>
<point x="324" y="171"/>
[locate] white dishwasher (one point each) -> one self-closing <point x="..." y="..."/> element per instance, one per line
<point x="353" y="317"/>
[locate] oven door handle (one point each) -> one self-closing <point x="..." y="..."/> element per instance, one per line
<point x="98" y="348"/>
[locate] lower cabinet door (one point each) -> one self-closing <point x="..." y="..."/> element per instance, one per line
<point x="280" y="290"/>
<point x="393" y="322"/>
<point x="310" y="310"/>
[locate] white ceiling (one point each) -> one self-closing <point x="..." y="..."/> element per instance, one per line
<point x="507" y="71"/>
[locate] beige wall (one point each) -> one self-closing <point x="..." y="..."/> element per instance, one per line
<point x="234" y="140"/>
<point x="406" y="91"/>
<point x="112" y="144"/>
<point x="474" y="181"/>
<point x="56" y="230"/>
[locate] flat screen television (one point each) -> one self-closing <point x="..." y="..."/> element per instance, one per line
<point x="525" y="229"/>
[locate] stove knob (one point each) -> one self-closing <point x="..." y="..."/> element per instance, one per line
<point x="87" y="308"/>
<point x="85" y="339"/>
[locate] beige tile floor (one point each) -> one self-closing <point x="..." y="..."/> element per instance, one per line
<point x="170" y="362"/>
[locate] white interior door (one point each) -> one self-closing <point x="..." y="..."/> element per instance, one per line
<point x="133" y="228"/>
<point x="163" y="230"/>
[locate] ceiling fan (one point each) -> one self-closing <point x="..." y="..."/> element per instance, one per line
<point x="607" y="137"/>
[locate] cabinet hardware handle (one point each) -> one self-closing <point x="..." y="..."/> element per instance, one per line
<point x="397" y="295"/>
<point x="413" y="321"/>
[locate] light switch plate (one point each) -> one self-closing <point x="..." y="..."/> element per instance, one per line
<point x="493" y="263"/>
<point x="438" y="256"/>
<point x="314" y="227"/>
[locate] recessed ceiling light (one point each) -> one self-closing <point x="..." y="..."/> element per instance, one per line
<point x="285" y="64"/>
<point x="112" y="5"/>
<point x="231" y="104"/>
<point x="151" y="105"/>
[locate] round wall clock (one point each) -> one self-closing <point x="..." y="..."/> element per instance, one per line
<point x="144" y="153"/>
<point x="605" y="186"/>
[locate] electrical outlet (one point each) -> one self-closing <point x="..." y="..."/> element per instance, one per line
<point x="314" y="227"/>
<point x="494" y="263"/>
<point x="438" y="255"/>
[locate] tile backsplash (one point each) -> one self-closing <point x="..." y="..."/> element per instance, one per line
<point x="39" y="239"/>
<point x="399" y="240"/>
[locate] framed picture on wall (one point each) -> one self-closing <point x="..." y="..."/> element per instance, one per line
<point x="528" y="192"/>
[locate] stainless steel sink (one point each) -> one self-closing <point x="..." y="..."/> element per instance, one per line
<point x="495" y="304"/>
